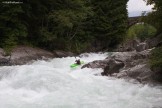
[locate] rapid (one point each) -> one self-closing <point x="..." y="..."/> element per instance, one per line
<point x="53" y="84"/>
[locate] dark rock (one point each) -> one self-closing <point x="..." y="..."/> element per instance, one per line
<point x="154" y="42"/>
<point x="113" y="67"/>
<point x="5" y="62"/>
<point x="157" y="76"/>
<point x="141" y="46"/>
<point x="159" y="44"/>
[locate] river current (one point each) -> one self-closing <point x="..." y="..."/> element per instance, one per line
<point x="53" y="84"/>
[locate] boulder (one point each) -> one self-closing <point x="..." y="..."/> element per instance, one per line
<point x="24" y="54"/>
<point x="155" y="41"/>
<point x="132" y="66"/>
<point x="113" y="67"/>
<point x="130" y="56"/>
<point x="141" y="46"/>
<point x="141" y="73"/>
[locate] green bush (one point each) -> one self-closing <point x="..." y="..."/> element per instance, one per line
<point x="141" y="31"/>
<point x="156" y="58"/>
<point x="156" y="64"/>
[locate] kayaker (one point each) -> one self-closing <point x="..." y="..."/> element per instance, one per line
<point x="78" y="62"/>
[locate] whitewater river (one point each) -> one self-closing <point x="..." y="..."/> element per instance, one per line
<point x="52" y="84"/>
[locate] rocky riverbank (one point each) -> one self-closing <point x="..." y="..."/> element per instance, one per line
<point x="130" y="61"/>
<point x="128" y="65"/>
<point x="24" y="54"/>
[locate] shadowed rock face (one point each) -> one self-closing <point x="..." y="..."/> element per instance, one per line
<point x="113" y="67"/>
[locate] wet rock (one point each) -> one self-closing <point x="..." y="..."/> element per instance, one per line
<point x="122" y="74"/>
<point x="97" y="64"/>
<point x="113" y="67"/>
<point x="132" y="66"/>
<point x="5" y="61"/>
<point x="59" y="53"/>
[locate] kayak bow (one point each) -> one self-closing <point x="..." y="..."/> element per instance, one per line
<point x="76" y="65"/>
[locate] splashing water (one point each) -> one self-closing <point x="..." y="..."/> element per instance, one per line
<point x="53" y="84"/>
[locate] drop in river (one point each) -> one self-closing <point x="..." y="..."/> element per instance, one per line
<point x="53" y="84"/>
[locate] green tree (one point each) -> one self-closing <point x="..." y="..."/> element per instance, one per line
<point x="155" y="18"/>
<point x="12" y="28"/>
<point x="141" y="31"/>
<point x="66" y="22"/>
<point x="109" y="21"/>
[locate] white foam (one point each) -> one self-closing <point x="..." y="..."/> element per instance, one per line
<point x="53" y="84"/>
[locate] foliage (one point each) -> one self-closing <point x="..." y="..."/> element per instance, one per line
<point x="109" y="21"/>
<point x="156" y="63"/>
<point x="156" y="58"/>
<point x="141" y="31"/>
<point x="12" y="29"/>
<point x="63" y="24"/>
<point x="155" y="18"/>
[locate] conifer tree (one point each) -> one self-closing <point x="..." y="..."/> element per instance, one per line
<point x="109" y="21"/>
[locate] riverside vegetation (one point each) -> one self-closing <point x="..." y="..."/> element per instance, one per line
<point x="63" y="24"/>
